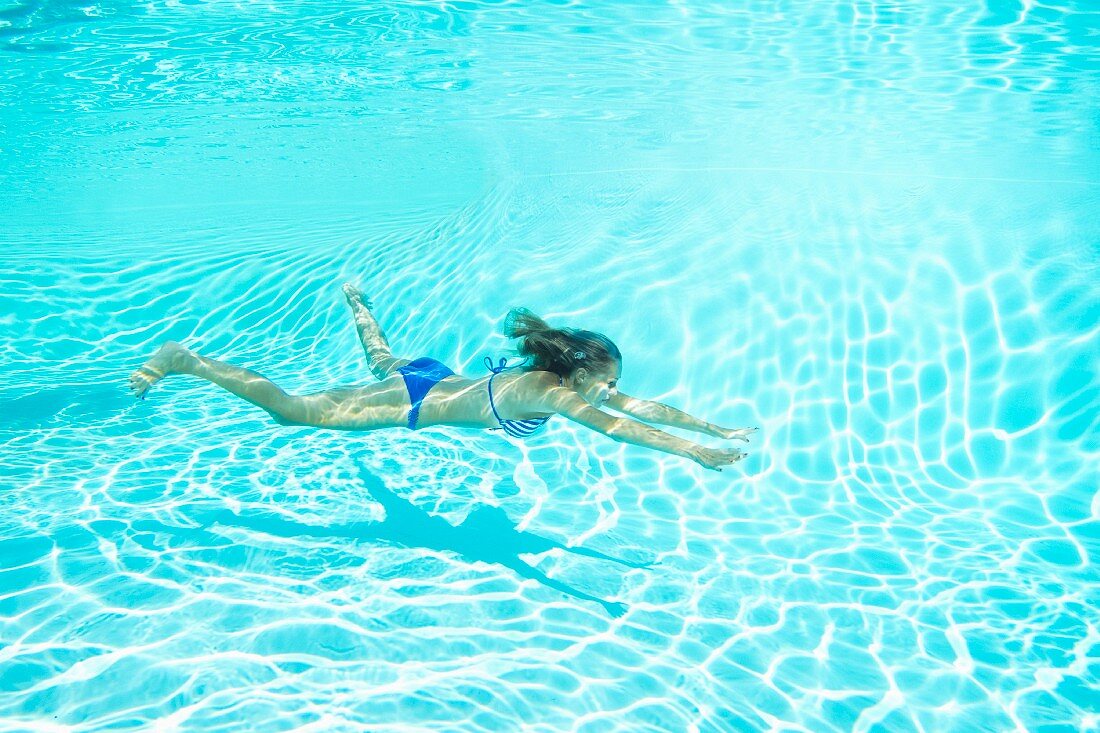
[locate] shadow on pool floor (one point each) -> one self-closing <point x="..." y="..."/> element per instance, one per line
<point x="487" y="535"/>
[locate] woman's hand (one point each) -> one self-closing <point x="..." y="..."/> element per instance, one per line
<point x="715" y="458"/>
<point x="732" y="433"/>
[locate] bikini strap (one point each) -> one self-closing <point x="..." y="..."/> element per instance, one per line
<point x="495" y="370"/>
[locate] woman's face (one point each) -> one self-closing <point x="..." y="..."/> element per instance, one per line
<point x="597" y="387"/>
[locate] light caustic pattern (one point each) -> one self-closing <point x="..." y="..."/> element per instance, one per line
<point x="866" y="228"/>
<point x="911" y="545"/>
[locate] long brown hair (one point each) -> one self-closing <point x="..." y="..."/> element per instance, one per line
<point x="559" y="350"/>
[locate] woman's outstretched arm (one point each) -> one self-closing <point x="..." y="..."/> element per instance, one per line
<point x="657" y="413"/>
<point x="568" y="403"/>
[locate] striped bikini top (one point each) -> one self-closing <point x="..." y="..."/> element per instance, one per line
<point x="515" y="428"/>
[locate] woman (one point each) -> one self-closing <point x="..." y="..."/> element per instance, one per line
<point x="571" y="372"/>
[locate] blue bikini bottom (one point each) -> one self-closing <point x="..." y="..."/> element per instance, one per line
<point x="420" y="376"/>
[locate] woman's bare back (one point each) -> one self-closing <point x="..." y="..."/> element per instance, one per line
<point x="464" y="402"/>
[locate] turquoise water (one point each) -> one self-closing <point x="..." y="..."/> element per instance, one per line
<point x="868" y="228"/>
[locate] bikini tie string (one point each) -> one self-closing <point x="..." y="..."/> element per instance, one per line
<point x="500" y="367"/>
<point x="496" y="369"/>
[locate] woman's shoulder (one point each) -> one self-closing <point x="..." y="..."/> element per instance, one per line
<point x="536" y="390"/>
<point x="543" y="378"/>
<point x="530" y="387"/>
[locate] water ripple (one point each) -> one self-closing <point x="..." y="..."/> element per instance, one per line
<point x="865" y="228"/>
<point x="910" y="544"/>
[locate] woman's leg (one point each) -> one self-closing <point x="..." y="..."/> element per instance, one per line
<point x="172" y="358"/>
<point x="377" y="348"/>
<point x="364" y="408"/>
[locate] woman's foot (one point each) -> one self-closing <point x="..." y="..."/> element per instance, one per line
<point x="355" y="297"/>
<point x="166" y="361"/>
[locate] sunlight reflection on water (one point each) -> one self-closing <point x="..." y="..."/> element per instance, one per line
<point x="870" y="234"/>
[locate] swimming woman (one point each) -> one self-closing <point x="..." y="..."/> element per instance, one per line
<point x="568" y="372"/>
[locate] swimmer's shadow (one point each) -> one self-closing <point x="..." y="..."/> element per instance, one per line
<point x="487" y="535"/>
